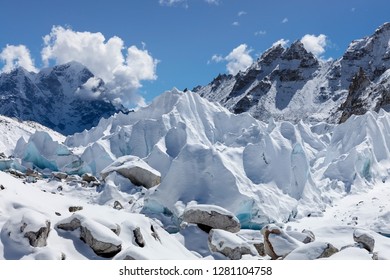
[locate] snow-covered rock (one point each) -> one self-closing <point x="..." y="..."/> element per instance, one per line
<point x="312" y="251"/>
<point x="102" y="240"/>
<point x="277" y="243"/>
<point x="136" y="170"/>
<point x="211" y="216"/>
<point x="365" y="239"/>
<point x="229" y="244"/>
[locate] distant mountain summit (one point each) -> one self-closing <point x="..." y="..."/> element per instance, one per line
<point x="51" y="97"/>
<point x="292" y="84"/>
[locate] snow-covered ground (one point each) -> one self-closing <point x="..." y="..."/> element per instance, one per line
<point x="329" y="180"/>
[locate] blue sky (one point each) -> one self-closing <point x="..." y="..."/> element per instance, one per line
<point x="174" y="43"/>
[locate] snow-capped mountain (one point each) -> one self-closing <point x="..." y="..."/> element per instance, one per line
<point x="292" y="84"/>
<point x="51" y="98"/>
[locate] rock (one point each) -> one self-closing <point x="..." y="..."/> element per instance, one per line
<point x="59" y="175"/>
<point x="102" y="240"/>
<point x="277" y="243"/>
<point x="229" y="244"/>
<point x="117" y="205"/>
<point x="211" y="217"/>
<point x="101" y="247"/>
<point x="312" y="251"/>
<point x="72" y="178"/>
<point x="38" y="238"/>
<point x="306" y="236"/>
<point x="260" y="248"/>
<point x="2" y="187"/>
<point x="365" y="239"/>
<point x="310" y="237"/>
<point x="75" y="208"/>
<point x="134" y="169"/>
<point x="69" y="225"/>
<point x="88" y="177"/>
<point x="138" y="238"/>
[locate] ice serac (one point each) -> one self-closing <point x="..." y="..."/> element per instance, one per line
<point x="292" y="84"/>
<point x="53" y="97"/>
<point x="206" y="154"/>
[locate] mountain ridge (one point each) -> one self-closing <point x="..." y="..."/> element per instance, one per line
<point x="292" y="84"/>
<point x="53" y="97"/>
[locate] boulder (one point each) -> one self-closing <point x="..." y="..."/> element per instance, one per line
<point x="229" y="244"/>
<point x="88" y="177"/>
<point x="306" y="236"/>
<point x="277" y="243"/>
<point x="211" y="217"/>
<point x="138" y="238"/>
<point x="312" y="251"/>
<point x="365" y="239"/>
<point x="38" y="238"/>
<point x="75" y="208"/>
<point x="59" y="175"/>
<point x="28" y="227"/>
<point x="102" y="240"/>
<point x="134" y="169"/>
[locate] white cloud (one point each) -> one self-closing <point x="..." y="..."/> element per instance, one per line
<point x="235" y="23"/>
<point x="171" y="2"/>
<point x="314" y="44"/>
<point x="241" y="13"/>
<point x="282" y="42"/>
<point x="260" y="33"/>
<point x="213" y="2"/>
<point x="217" y="58"/>
<point x="353" y="10"/>
<point x="122" y="73"/>
<point x="238" y="59"/>
<point x="17" y="56"/>
<point x="285" y="20"/>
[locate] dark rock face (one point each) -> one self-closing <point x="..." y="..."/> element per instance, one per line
<point x="39" y="238"/>
<point x="353" y="105"/>
<point x="292" y="84"/>
<point x="50" y="97"/>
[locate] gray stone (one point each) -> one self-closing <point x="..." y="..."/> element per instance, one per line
<point x="365" y="239"/>
<point x="260" y="248"/>
<point x="117" y="205"/>
<point x="60" y="175"/>
<point x="38" y="238"/>
<point x="75" y="208"/>
<point x="102" y="243"/>
<point x="329" y="251"/>
<point x="284" y="245"/>
<point x="228" y="244"/>
<point x="101" y="248"/>
<point x="134" y="169"/>
<point x="88" y="177"/>
<point x="138" y="238"/>
<point x="211" y="216"/>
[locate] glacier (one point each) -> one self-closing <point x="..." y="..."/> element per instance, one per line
<point x="262" y="172"/>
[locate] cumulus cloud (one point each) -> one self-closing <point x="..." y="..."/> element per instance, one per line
<point x="16" y="56"/>
<point x="314" y="44"/>
<point x="122" y="69"/>
<point x="238" y="59"/>
<point x="282" y="42"/>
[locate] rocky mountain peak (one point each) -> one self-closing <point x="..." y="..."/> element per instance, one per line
<point x="49" y="97"/>
<point x="272" y="54"/>
<point x="292" y="84"/>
